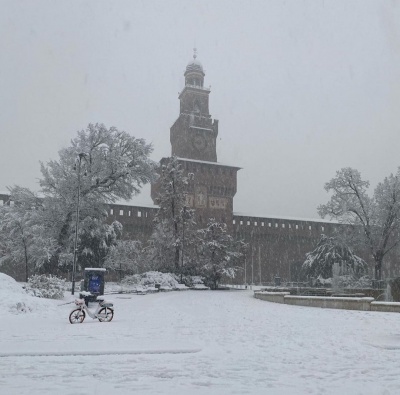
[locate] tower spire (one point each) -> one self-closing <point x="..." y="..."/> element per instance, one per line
<point x="194" y="53"/>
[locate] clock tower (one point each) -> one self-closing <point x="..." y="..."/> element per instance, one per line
<point x="194" y="133"/>
<point x="193" y="141"/>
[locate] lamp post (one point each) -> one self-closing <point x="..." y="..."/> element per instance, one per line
<point x="80" y="156"/>
<point x="183" y="239"/>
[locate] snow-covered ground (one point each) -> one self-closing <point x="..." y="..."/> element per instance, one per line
<point x="199" y="342"/>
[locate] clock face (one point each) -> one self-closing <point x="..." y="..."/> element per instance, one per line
<point x="199" y="142"/>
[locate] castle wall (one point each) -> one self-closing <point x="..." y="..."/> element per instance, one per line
<point x="277" y="246"/>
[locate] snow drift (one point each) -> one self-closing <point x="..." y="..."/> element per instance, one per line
<point x="14" y="298"/>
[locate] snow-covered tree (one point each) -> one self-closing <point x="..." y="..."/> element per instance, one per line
<point x="97" y="239"/>
<point x="24" y="237"/>
<point x="219" y="253"/>
<point x="101" y="165"/>
<point x="174" y="223"/>
<point x="328" y="252"/>
<point x="377" y="217"/>
<point x="126" y="258"/>
<point x="115" y="165"/>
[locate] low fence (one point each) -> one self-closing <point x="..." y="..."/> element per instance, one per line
<point x="329" y="302"/>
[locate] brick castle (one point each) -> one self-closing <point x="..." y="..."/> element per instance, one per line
<point x="277" y="246"/>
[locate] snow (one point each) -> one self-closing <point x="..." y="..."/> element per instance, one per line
<point x="207" y="162"/>
<point x="274" y="217"/>
<point x="211" y="342"/>
<point x="15" y="300"/>
<point x="198" y="127"/>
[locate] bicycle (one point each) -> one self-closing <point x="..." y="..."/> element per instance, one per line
<point x="104" y="311"/>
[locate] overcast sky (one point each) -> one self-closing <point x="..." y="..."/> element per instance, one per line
<point x="301" y="88"/>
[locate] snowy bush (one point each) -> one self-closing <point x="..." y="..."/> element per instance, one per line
<point x="346" y="281"/>
<point x="46" y="286"/>
<point x="350" y="281"/>
<point x="150" y="279"/>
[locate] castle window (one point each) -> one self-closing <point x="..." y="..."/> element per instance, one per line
<point x="121" y="212"/>
<point x="248" y="223"/>
<point x="234" y="222"/>
<point x="283" y="225"/>
<point x="255" y="223"/>
<point x="241" y="222"/>
<point x="322" y="228"/>
<point x="111" y="211"/>
<point x="262" y="223"/>
<point x="146" y="214"/>
<point x="1" y="203"/>
<point x="297" y="226"/>
<point x="269" y="224"/>
<point x="276" y="225"/>
<point x="290" y="226"/>
<point x="129" y="213"/>
<point x="309" y="228"/>
<point x="12" y="203"/>
<point x="139" y="214"/>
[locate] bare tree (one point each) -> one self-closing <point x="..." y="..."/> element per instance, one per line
<point x="24" y="237"/>
<point x="378" y="216"/>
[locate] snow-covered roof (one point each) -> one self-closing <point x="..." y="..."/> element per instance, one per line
<point x="198" y="127"/>
<point x="236" y="214"/>
<point x="123" y="204"/>
<point x="194" y="66"/>
<point x="208" y="162"/>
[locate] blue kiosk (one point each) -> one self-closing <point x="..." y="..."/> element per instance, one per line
<point x="93" y="282"/>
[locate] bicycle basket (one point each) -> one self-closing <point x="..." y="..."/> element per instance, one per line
<point x="79" y="302"/>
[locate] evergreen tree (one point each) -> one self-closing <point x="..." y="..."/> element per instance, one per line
<point x="219" y="253"/>
<point x="329" y="251"/>
<point x="96" y="240"/>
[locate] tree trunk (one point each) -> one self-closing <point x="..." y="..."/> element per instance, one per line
<point x="378" y="271"/>
<point x="176" y="259"/>
<point x="378" y="265"/>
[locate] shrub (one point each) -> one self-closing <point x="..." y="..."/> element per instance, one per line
<point x="46" y="286"/>
<point x="149" y="279"/>
<point x="188" y="280"/>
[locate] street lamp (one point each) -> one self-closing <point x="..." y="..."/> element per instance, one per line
<point x="80" y="157"/>
<point x="183" y="239"/>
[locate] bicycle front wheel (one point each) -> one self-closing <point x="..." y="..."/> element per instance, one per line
<point x="77" y="316"/>
<point x="105" y="314"/>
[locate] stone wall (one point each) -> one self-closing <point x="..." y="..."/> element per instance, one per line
<point x="345" y="303"/>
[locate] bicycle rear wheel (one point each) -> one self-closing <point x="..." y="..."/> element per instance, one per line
<point x="106" y="313"/>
